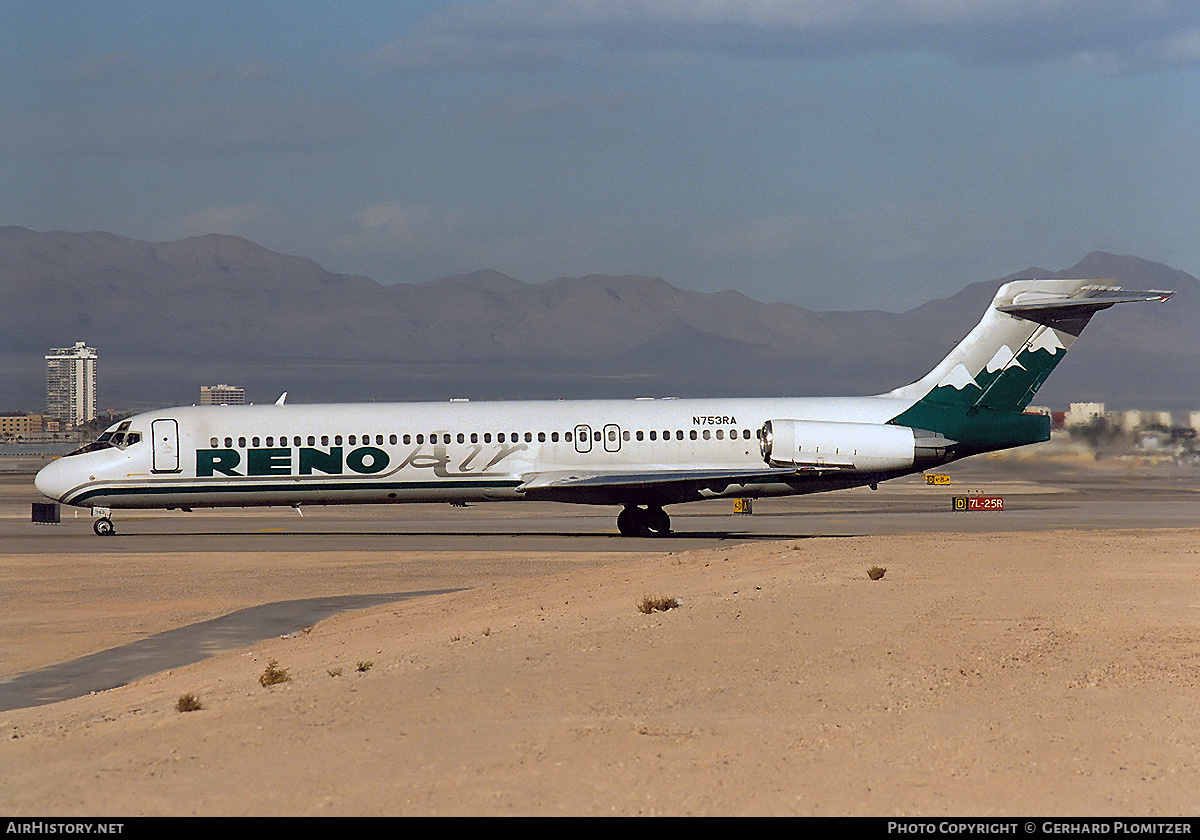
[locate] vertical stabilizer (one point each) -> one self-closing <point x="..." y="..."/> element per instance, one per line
<point x="977" y="394"/>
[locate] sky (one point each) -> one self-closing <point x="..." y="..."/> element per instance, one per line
<point x="833" y="154"/>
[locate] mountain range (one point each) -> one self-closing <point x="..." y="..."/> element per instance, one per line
<point x="167" y="317"/>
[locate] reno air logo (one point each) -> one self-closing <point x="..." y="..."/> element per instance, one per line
<point x="714" y="420"/>
<point x="366" y="460"/>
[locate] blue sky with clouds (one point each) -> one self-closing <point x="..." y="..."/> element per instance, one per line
<point x="829" y="153"/>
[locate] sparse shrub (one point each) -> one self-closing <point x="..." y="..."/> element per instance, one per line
<point x="364" y="666"/>
<point x="334" y="672"/>
<point x="649" y="605"/>
<point x="876" y="572"/>
<point x="274" y="675"/>
<point x="188" y="703"/>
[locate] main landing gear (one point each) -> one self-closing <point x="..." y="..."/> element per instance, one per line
<point x="649" y="521"/>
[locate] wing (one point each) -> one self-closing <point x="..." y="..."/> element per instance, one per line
<point x="659" y="486"/>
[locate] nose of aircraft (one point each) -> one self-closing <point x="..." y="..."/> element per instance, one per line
<point x="51" y="480"/>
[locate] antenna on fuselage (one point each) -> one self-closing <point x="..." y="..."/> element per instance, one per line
<point x="282" y="397"/>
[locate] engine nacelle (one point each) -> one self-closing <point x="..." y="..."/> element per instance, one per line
<point x="861" y="447"/>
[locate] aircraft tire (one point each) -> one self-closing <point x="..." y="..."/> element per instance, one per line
<point x="656" y="522"/>
<point x="104" y="527"/>
<point x="629" y="522"/>
<point x="643" y="522"/>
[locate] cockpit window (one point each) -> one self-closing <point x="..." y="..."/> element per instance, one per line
<point x="118" y="438"/>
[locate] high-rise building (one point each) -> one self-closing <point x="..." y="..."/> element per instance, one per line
<point x="222" y="395"/>
<point x="71" y="383"/>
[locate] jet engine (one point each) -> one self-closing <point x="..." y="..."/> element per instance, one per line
<point x="861" y="447"/>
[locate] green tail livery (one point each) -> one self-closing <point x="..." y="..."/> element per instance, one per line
<point x="976" y="396"/>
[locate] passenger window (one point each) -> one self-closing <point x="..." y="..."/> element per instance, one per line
<point x="653" y="435"/>
<point x="350" y="440"/>
<point x="324" y="440"/>
<point x="692" y="434"/>
<point x="242" y="442"/>
<point x="474" y="437"/>
<point x="720" y="434"/>
<point x="270" y="441"/>
<point x="568" y="436"/>
<point x="296" y="440"/>
<point x="446" y="438"/>
<point x="420" y="439"/>
<point x="679" y="434"/>
<point x="554" y="437"/>
<point x="254" y="442"/>
<point x="462" y="438"/>
<point x="705" y="434"/>
<point x="407" y="440"/>
<point x="541" y="437"/>
<point x="312" y="441"/>
<point x="212" y="442"/>
<point x="487" y="437"/>
<point x="500" y="437"/>
<point x="337" y="440"/>
<point x="379" y="440"/>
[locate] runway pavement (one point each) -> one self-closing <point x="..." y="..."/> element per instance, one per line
<point x="1056" y="499"/>
<point x="387" y="553"/>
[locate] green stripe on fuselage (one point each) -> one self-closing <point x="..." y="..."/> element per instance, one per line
<point x="294" y="488"/>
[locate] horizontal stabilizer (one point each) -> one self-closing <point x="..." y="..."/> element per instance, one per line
<point x="1057" y="310"/>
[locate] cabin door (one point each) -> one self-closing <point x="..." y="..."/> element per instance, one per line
<point x="583" y="438"/>
<point x="164" y="434"/>
<point x="612" y="438"/>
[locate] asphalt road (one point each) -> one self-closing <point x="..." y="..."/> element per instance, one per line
<point x="1056" y="499"/>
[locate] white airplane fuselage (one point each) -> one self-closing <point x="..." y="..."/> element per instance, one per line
<point x="218" y="456"/>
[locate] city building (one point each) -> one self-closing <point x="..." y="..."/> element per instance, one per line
<point x="71" y="384"/>
<point x="20" y="425"/>
<point x="222" y="395"/>
<point x="1081" y="414"/>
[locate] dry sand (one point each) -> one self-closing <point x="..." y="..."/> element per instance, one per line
<point x="1021" y="674"/>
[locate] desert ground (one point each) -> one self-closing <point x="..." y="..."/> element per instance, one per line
<point x="991" y="671"/>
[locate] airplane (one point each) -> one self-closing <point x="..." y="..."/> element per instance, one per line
<point x="639" y="454"/>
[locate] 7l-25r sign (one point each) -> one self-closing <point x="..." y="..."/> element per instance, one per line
<point x="979" y="503"/>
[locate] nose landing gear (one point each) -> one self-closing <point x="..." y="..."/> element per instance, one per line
<point x="103" y="526"/>
<point x="649" y="521"/>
